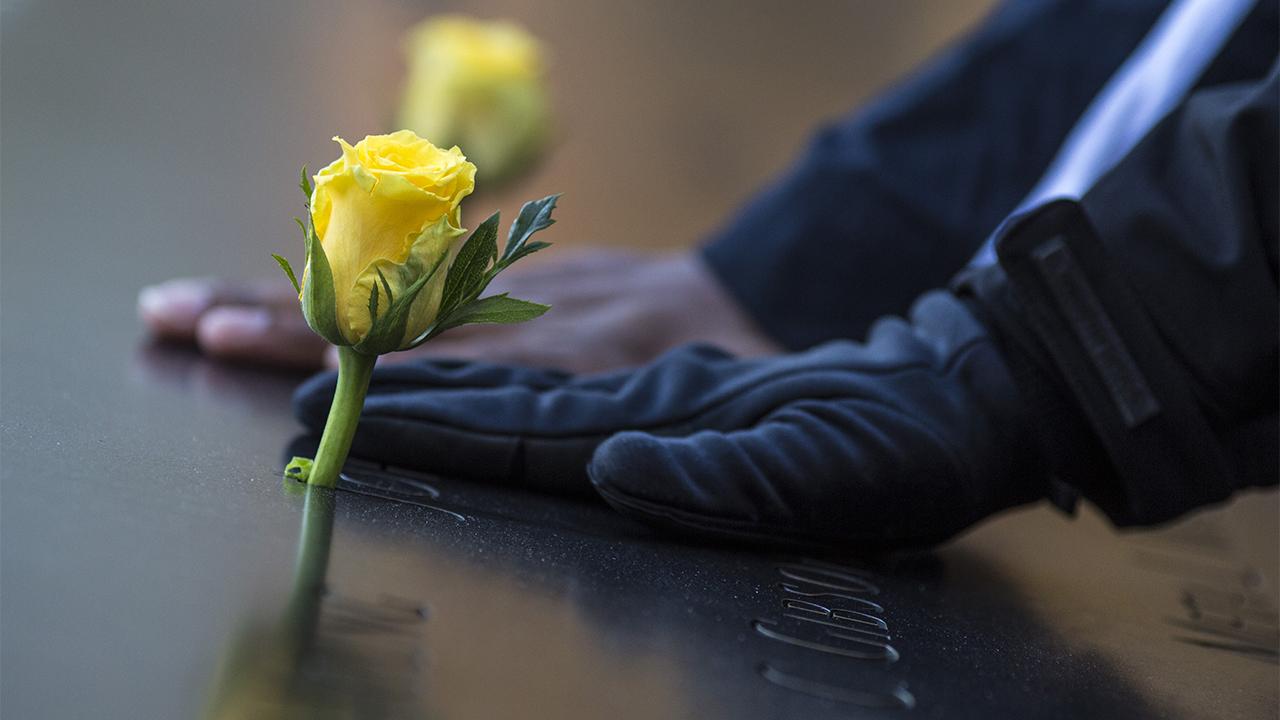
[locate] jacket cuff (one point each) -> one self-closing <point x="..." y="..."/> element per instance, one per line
<point x="1078" y="325"/>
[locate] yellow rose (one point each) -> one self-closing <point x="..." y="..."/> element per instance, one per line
<point x="479" y="85"/>
<point x="387" y="268"/>
<point x="387" y="217"/>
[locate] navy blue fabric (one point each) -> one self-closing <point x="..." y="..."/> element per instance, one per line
<point x="905" y="439"/>
<point x="1190" y="218"/>
<point x="1179" y="247"/>
<point x="896" y="198"/>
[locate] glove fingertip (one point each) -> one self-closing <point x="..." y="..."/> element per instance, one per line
<point x="615" y="457"/>
<point x="673" y="484"/>
<point x="629" y="467"/>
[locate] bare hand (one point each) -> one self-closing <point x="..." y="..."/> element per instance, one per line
<point x="610" y="309"/>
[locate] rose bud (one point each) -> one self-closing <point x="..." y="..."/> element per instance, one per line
<point x="387" y="215"/>
<point x="387" y="268"/>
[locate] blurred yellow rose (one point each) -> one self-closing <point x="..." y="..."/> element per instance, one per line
<point x="479" y="85"/>
<point x="386" y="214"/>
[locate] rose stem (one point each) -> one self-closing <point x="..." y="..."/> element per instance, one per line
<point x="354" y="370"/>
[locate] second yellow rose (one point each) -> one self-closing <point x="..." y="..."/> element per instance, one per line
<point x="479" y="85"/>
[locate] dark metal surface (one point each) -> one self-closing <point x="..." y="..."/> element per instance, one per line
<point x="149" y="563"/>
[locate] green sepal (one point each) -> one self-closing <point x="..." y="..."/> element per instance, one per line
<point x="495" y="309"/>
<point x="288" y="270"/>
<point x="319" y="303"/>
<point x="385" y="285"/>
<point x="386" y="333"/>
<point x="305" y="183"/>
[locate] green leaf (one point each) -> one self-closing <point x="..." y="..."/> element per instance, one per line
<point x="494" y="309"/>
<point x="477" y="263"/>
<point x="373" y="305"/>
<point x="319" y="303"/>
<point x="288" y="270"/>
<point x="535" y="215"/>
<point x="303" y="227"/>
<point x="468" y="274"/>
<point x="305" y="183"/>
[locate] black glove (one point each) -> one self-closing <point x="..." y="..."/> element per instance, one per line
<point x="904" y="440"/>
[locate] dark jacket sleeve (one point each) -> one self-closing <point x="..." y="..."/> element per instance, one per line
<point x="895" y="199"/>
<point x="1145" y="317"/>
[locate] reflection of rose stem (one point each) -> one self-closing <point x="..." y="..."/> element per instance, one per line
<point x="354" y="370"/>
<point x="303" y="612"/>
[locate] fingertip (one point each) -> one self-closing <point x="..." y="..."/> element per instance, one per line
<point x="173" y="308"/>
<point x="258" y="335"/>
<point x="231" y="331"/>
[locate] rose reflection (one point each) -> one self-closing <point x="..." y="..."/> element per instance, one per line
<point x="495" y="645"/>
<point x="326" y="656"/>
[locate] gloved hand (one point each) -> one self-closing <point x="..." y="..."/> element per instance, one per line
<point x="904" y="440"/>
